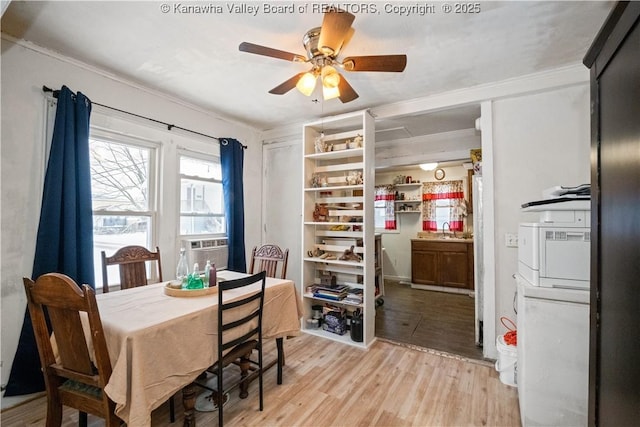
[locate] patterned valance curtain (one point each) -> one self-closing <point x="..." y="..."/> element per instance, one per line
<point x="386" y="193"/>
<point x="451" y="190"/>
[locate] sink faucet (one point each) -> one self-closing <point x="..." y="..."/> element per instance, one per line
<point x="448" y="225"/>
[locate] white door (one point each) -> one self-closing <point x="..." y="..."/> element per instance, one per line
<point x="282" y="207"/>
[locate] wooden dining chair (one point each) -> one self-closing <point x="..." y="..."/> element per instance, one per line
<point x="132" y="261"/>
<point x="133" y="269"/>
<point x="79" y="376"/>
<point x="267" y="258"/>
<point x="239" y="337"/>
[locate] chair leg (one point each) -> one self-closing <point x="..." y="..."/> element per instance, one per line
<point x="260" y="366"/>
<point x="280" y="346"/>
<point x="172" y="410"/>
<point x="54" y="412"/>
<point x="244" y="372"/>
<point x="220" y="394"/>
<point x="82" y="419"/>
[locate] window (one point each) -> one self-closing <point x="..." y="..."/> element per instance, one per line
<point x="201" y="196"/>
<point x="380" y="209"/>
<point x="443" y="210"/>
<point x="123" y="196"/>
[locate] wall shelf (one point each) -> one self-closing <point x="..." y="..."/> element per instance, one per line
<point x="413" y="185"/>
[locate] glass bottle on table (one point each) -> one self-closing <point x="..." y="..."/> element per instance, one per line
<point x="195" y="281"/>
<point x="213" y="276"/>
<point x="207" y="273"/>
<point x="182" y="270"/>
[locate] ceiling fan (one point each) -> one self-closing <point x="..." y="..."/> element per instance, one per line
<point x="323" y="44"/>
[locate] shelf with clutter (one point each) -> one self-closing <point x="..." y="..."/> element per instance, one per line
<point x="338" y="269"/>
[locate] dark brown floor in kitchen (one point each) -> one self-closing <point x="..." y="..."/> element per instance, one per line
<point x="435" y="320"/>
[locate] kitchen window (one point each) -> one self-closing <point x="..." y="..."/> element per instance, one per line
<point x="443" y="202"/>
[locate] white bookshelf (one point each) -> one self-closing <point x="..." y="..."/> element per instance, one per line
<point x="344" y="216"/>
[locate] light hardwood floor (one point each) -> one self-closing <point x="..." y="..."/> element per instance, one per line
<point x="332" y="384"/>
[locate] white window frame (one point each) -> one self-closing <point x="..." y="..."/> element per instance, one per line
<point x="209" y="158"/>
<point x="154" y="147"/>
<point x="440" y="207"/>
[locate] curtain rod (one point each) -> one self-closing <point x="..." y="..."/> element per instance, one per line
<point x="169" y="126"/>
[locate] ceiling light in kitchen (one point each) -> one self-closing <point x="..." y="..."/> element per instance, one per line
<point x="428" y="166"/>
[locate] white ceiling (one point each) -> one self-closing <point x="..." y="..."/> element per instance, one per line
<point x="195" y="57"/>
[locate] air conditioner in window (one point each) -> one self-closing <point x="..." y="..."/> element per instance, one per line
<point x="215" y="250"/>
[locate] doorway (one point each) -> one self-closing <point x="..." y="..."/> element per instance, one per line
<point x="449" y="322"/>
<point x="281" y="218"/>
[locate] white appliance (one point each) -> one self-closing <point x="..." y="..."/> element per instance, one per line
<point x="555" y="252"/>
<point x="553" y="315"/>
<point x="215" y="250"/>
<point x="554" y="256"/>
<point x="553" y="355"/>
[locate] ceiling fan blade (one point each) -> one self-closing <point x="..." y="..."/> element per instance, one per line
<point x="347" y="94"/>
<point x="273" y="53"/>
<point x="346" y="40"/>
<point x="390" y="63"/>
<point x="335" y="28"/>
<point x="287" y="85"/>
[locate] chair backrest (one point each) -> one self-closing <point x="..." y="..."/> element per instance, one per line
<point x="267" y="258"/>
<point x="78" y="376"/>
<point x="133" y="270"/>
<point x="240" y="304"/>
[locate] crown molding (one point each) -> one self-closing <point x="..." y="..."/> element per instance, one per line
<point x="575" y="74"/>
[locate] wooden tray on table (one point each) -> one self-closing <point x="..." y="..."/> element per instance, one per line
<point x="175" y="292"/>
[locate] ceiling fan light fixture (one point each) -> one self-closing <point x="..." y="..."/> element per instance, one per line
<point x="330" y="77"/>
<point x="428" y="166"/>
<point x="330" y="92"/>
<point x="307" y="83"/>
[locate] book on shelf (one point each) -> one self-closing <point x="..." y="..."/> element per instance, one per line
<point x="332" y="289"/>
<point x="329" y="297"/>
<point x="334" y="293"/>
<point x="354" y="296"/>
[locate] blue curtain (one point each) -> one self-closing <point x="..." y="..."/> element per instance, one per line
<point x="65" y="233"/>
<point x="232" y="159"/>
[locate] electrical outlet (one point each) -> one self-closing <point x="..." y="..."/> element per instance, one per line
<point x="511" y="240"/>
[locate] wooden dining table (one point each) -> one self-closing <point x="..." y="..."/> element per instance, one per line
<point x="159" y="344"/>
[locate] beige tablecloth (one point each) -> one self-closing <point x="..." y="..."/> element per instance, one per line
<point x="159" y="344"/>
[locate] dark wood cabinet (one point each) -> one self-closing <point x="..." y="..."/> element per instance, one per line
<point x="424" y="266"/>
<point x="442" y="263"/>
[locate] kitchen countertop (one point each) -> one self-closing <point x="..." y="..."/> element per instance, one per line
<point x="439" y="237"/>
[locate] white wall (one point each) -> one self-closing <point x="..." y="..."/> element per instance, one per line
<point x="24" y="71"/>
<point x="539" y="141"/>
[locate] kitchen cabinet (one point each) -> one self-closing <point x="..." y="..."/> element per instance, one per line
<point x="443" y="262"/>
